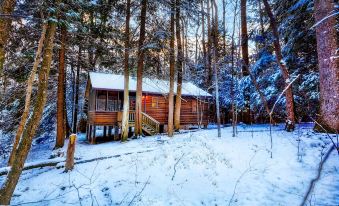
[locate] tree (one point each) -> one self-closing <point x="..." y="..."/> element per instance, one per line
<point x="6" y="8"/>
<point x="125" y="114"/>
<point x="290" y="121"/>
<point x="179" y="68"/>
<point x="246" y="61"/>
<point x="246" y="66"/>
<point x="141" y="54"/>
<point x="61" y="124"/>
<point x="172" y="62"/>
<point x="24" y="146"/>
<point x="327" y="47"/>
<point x="215" y="64"/>
<point x="28" y="97"/>
<point x="76" y="95"/>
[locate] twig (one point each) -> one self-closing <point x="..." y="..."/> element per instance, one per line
<point x="240" y="177"/>
<point x="314" y="180"/>
<point x="175" y="165"/>
<point x="139" y="193"/>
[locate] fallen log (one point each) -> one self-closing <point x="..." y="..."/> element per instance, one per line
<point x="60" y="162"/>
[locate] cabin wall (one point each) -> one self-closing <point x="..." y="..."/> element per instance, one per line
<point x="156" y="106"/>
<point x="193" y="111"/>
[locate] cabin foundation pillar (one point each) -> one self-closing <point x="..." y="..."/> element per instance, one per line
<point x="110" y="131"/>
<point x="94" y="135"/>
<point x="116" y="132"/>
<point x="105" y="131"/>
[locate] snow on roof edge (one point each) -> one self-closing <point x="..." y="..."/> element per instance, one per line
<point x="110" y="81"/>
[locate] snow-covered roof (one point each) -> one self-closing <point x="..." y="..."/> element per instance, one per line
<point x="156" y="86"/>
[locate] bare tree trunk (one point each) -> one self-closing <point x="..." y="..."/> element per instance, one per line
<point x="28" y="95"/>
<point x="246" y="61"/>
<point x="224" y="25"/>
<point x="246" y="65"/>
<point x="141" y="53"/>
<point x="69" y="165"/>
<point x="203" y="42"/>
<point x="76" y="96"/>
<point x="24" y="146"/>
<point x="61" y="124"/>
<point x="209" y="45"/>
<point x="179" y="68"/>
<point x="233" y="73"/>
<point x="290" y="122"/>
<point x="172" y="72"/>
<point x="7" y="8"/>
<point x="215" y="66"/>
<point x="125" y="114"/>
<point x="327" y="47"/>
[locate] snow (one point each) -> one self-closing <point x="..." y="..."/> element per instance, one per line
<point x="193" y="168"/>
<point x="116" y="82"/>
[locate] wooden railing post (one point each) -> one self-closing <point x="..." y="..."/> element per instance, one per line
<point x="69" y="165"/>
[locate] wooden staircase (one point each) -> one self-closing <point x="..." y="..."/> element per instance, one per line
<point x="149" y="124"/>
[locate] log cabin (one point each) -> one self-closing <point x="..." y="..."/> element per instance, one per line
<point x="104" y="105"/>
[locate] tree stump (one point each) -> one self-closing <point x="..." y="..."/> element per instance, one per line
<point x="69" y="165"/>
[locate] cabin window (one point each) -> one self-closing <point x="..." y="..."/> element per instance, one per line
<point x="194" y="106"/>
<point x="114" y="103"/>
<point x="155" y="102"/>
<point x="101" y="100"/>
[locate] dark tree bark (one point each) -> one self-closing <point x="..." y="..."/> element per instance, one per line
<point x="76" y="95"/>
<point x="246" y="61"/>
<point x="327" y="47"/>
<point x="24" y="146"/>
<point x="290" y="121"/>
<point x="141" y="54"/>
<point x="125" y="114"/>
<point x="61" y="123"/>
<point x="6" y="8"/>
<point x="179" y="68"/>
<point x="172" y="72"/>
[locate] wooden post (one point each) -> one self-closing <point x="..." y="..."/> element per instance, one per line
<point x="70" y="153"/>
<point x="94" y="137"/>
<point x="110" y="131"/>
<point x="105" y="131"/>
<point x="116" y="132"/>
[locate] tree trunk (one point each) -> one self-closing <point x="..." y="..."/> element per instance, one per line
<point x="246" y="61"/>
<point x="141" y="53"/>
<point x="28" y="94"/>
<point x="179" y="68"/>
<point x="233" y="73"/>
<point x="61" y="124"/>
<point x="327" y="47"/>
<point x="290" y="121"/>
<point x="7" y="8"/>
<point x="215" y="66"/>
<point x="172" y="71"/>
<point x="209" y="45"/>
<point x="203" y="42"/>
<point x="76" y="96"/>
<point x="24" y="146"/>
<point x="224" y="25"/>
<point x="125" y="113"/>
<point x="69" y="165"/>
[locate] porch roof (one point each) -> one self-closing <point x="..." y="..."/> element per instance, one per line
<point x="116" y="82"/>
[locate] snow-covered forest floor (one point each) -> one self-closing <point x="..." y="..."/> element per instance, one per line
<point x="193" y="168"/>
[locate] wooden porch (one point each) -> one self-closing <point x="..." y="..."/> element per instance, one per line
<point x="113" y="119"/>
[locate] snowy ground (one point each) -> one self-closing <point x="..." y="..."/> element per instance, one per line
<point x="193" y="168"/>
